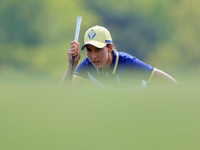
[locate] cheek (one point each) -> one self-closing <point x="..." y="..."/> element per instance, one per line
<point x="88" y="54"/>
<point x="104" y="56"/>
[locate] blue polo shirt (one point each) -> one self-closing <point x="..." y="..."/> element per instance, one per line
<point x="124" y="70"/>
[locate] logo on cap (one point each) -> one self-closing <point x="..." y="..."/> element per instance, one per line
<point x="92" y="34"/>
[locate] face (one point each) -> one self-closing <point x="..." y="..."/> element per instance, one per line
<point x="100" y="57"/>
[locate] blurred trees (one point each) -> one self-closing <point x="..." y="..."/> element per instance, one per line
<point x="37" y="33"/>
<point x="182" y="47"/>
<point x="17" y="20"/>
<point x="132" y="30"/>
<point x="158" y="32"/>
<point x="36" y="22"/>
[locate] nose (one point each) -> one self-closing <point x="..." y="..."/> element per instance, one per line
<point x="94" y="55"/>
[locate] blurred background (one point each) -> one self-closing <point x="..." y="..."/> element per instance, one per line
<point x="35" y="35"/>
<point x="34" y="38"/>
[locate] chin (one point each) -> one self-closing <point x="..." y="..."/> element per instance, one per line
<point x="97" y="66"/>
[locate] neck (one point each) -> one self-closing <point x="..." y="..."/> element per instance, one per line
<point x="106" y="67"/>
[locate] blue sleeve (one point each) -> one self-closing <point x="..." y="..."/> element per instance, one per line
<point x="142" y="69"/>
<point x="137" y="64"/>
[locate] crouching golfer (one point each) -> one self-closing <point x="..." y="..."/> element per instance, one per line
<point x="106" y="67"/>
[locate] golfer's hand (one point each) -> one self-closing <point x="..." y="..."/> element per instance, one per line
<point x="74" y="50"/>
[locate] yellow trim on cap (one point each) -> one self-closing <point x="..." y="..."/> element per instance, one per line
<point x="79" y="77"/>
<point x="151" y="76"/>
<point x="116" y="63"/>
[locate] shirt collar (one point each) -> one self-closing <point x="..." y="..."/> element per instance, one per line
<point x="114" y="63"/>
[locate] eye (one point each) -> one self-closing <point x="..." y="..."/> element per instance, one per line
<point x="98" y="49"/>
<point x="89" y="50"/>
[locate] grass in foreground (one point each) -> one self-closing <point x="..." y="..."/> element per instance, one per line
<point x="35" y="114"/>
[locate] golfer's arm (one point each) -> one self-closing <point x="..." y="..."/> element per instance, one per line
<point x="76" y="80"/>
<point x="79" y="81"/>
<point x="162" y="78"/>
<point x="66" y="77"/>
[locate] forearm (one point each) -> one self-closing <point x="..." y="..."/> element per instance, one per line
<point x="66" y="77"/>
<point x="162" y="78"/>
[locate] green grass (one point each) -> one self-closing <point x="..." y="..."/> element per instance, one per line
<point x="36" y="115"/>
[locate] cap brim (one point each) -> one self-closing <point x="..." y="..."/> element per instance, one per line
<point x="94" y="43"/>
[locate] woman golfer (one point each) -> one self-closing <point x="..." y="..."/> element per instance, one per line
<point x="106" y="67"/>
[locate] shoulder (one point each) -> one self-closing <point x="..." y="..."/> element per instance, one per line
<point x="126" y="58"/>
<point x="125" y="55"/>
<point x="84" y="65"/>
<point x="130" y="61"/>
<point x="85" y="62"/>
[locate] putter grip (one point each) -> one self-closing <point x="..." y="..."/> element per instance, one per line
<point x="78" y="25"/>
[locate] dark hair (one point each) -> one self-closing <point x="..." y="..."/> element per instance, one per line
<point x="108" y="45"/>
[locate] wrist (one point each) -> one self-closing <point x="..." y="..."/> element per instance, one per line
<point x="74" y="65"/>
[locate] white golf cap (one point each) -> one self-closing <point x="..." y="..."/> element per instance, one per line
<point x="97" y="36"/>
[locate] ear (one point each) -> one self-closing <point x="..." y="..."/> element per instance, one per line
<point x="110" y="48"/>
